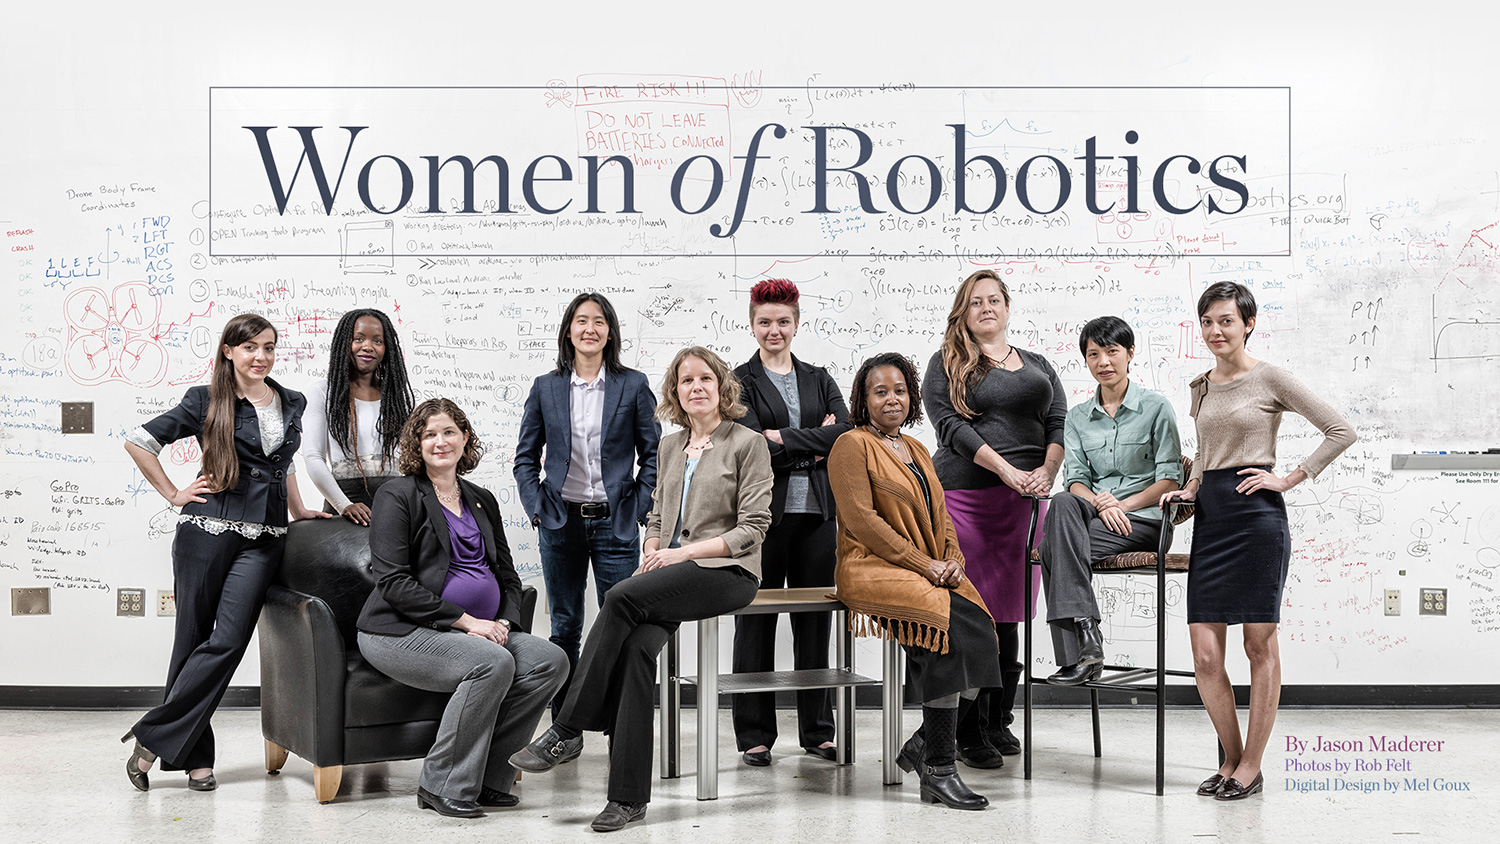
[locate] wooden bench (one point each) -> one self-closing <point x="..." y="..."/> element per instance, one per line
<point x="711" y="684"/>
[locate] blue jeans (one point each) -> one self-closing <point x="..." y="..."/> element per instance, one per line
<point x="567" y="553"/>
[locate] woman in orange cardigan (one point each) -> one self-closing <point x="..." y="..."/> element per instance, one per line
<point x="901" y="573"/>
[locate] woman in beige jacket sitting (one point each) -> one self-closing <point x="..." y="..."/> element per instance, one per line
<point x="710" y="512"/>
<point x="901" y="573"/>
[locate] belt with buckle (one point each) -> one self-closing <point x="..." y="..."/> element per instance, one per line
<point x="589" y="510"/>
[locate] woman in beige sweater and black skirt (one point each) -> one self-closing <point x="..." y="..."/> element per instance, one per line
<point x="1241" y="541"/>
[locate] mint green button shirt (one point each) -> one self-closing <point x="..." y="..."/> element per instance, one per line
<point x="1124" y="454"/>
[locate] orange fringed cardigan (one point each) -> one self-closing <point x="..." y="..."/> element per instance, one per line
<point x="886" y="539"/>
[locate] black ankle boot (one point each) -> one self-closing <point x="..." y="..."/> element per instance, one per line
<point x="938" y="774"/>
<point x="942" y="784"/>
<point x="1090" y="642"/>
<point x="913" y="753"/>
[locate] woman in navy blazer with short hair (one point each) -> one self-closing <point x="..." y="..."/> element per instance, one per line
<point x="591" y="422"/>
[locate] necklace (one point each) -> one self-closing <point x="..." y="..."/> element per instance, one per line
<point x="700" y="445"/>
<point x="447" y="497"/>
<point x="893" y="440"/>
<point x="1001" y="362"/>
<point x="265" y="391"/>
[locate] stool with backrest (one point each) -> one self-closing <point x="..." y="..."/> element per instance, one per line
<point x="1125" y="679"/>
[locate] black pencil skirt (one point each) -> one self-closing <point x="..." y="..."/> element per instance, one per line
<point x="1241" y="549"/>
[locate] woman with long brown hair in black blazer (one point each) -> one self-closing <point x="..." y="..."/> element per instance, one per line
<point x="229" y="537"/>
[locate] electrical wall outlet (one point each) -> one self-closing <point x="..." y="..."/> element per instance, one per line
<point x="130" y="602"/>
<point x="1434" y="601"/>
<point x="34" y="601"/>
<point x="166" y="602"/>
<point x="1393" y="602"/>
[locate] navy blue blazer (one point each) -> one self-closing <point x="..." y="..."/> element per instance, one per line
<point x="409" y="557"/>
<point x="627" y="450"/>
<point x="803" y="440"/>
<point x="260" y="495"/>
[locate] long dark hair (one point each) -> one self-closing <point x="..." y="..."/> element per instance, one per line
<point x="221" y="465"/>
<point x="396" y="398"/>
<point x="565" y="351"/>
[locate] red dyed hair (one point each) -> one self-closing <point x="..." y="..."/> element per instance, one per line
<point x="775" y="291"/>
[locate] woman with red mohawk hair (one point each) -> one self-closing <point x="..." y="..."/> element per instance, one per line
<point x="800" y="411"/>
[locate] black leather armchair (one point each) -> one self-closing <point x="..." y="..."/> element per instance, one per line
<point x="319" y="698"/>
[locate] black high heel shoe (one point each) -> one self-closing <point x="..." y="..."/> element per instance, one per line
<point x="133" y="770"/>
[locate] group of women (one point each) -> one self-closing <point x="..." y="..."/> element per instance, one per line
<point x="769" y="480"/>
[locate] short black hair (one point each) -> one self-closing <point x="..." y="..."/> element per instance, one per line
<point x="1106" y="331"/>
<point x="565" y="350"/>
<point x="1239" y="293"/>
<point x="859" y="411"/>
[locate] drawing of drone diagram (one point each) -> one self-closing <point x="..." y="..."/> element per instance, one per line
<point x="114" y="339"/>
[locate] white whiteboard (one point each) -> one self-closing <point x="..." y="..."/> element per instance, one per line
<point x="1370" y="240"/>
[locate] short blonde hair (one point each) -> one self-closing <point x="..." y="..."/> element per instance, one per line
<point x="671" y="410"/>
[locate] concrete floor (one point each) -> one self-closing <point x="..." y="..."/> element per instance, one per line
<point x="63" y="781"/>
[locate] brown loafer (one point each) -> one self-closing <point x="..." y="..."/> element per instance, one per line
<point x="1234" y="790"/>
<point x="1210" y="786"/>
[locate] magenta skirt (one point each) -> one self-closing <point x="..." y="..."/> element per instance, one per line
<point x="991" y="527"/>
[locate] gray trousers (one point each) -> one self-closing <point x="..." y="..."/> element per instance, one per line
<point x="499" y="693"/>
<point x="1075" y="539"/>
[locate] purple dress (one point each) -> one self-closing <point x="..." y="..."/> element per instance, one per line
<point x="470" y="582"/>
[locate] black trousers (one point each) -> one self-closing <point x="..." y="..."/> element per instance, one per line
<point x="614" y="687"/>
<point x="220" y="582"/>
<point x="799" y="551"/>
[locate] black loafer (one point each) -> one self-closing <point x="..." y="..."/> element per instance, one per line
<point x="445" y="806"/>
<point x="1211" y="786"/>
<point x="208" y="783"/>
<point x="542" y="755"/>
<point x="497" y="799"/>
<point x="1074" y="675"/>
<point x="982" y="755"/>
<point x="829" y="753"/>
<point x="942" y="784"/>
<point x="757" y="758"/>
<point x="616" y="815"/>
<point x="1233" y="789"/>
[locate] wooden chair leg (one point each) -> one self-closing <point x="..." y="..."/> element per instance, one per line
<point x="275" y="757"/>
<point x="326" y="782"/>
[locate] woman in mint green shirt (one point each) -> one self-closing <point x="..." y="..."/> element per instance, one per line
<point x="1121" y="454"/>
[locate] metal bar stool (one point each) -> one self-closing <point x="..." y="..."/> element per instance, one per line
<point x="1126" y="679"/>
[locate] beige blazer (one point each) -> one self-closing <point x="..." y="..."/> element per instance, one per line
<point x="730" y="498"/>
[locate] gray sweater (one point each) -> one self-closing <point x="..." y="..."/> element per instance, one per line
<point x="1020" y="414"/>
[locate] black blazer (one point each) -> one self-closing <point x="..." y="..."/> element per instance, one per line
<point x="804" y="440"/>
<point x="409" y="558"/>
<point x="260" y="495"/>
<point x="627" y="450"/>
